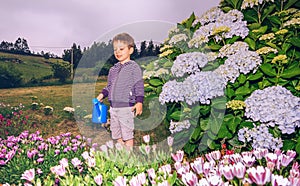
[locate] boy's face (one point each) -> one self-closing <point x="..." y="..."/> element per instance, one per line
<point x="122" y="51"/>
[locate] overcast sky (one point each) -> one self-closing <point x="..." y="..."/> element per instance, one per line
<point x="57" y="24"/>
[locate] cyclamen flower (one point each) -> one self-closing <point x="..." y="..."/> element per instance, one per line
<point x="120" y="181"/>
<point x="190" y="179"/>
<point x="28" y="175"/>
<point x="279" y="180"/>
<point x="178" y="157"/>
<point x="98" y="179"/>
<point x="259" y="175"/>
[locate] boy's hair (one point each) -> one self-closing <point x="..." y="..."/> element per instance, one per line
<point x="124" y="37"/>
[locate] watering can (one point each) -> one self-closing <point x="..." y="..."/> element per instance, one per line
<point x="99" y="114"/>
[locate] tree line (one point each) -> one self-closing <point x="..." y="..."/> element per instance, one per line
<point x="20" y="46"/>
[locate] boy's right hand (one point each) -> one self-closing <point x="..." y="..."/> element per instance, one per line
<point x="100" y="97"/>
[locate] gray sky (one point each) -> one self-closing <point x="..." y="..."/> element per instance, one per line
<point x="60" y="23"/>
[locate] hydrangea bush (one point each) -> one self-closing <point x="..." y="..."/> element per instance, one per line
<point x="233" y="77"/>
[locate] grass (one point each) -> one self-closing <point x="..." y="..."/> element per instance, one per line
<point x="62" y="96"/>
<point x="30" y="66"/>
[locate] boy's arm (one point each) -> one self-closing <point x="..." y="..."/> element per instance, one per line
<point x="105" y="91"/>
<point x="139" y="91"/>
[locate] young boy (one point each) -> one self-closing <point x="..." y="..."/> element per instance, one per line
<point x="125" y="90"/>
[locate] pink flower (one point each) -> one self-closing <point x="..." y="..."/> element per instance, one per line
<point x="277" y="180"/>
<point x="58" y="170"/>
<point x="197" y="165"/>
<point x="271" y="157"/>
<point x="239" y="170"/>
<point x="227" y="172"/>
<point x="103" y="148"/>
<point x="164" y="183"/>
<point x="91" y="162"/>
<point x="178" y="157"/>
<point x="142" y="178"/>
<point x="285" y="160"/>
<point x="170" y="140"/>
<point x="151" y="174"/>
<point x="28" y="175"/>
<point x="190" y="179"/>
<point x="215" y="179"/>
<point x="147" y="149"/>
<point x="64" y="162"/>
<point x="146" y="138"/>
<point x="85" y="155"/>
<point x="134" y="182"/>
<point x="260" y="153"/>
<point x="291" y="153"/>
<point x="248" y="160"/>
<point x="203" y="182"/>
<point x="259" y="175"/>
<point x="76" y="162"/>
<point x="215" y="155"/>
<point x="98" y="179"/>
<point x="120" y="181"/>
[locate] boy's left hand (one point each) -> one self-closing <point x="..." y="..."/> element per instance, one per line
<point x="138" y="107"/>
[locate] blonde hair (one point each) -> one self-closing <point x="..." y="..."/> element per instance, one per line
<point x="124" y="37"/>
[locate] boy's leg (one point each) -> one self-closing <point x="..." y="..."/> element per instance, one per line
<point x="127" y="125"/>
<point x="115" y="125"/>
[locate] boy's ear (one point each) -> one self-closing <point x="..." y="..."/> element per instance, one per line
<point x="131" y="50"/>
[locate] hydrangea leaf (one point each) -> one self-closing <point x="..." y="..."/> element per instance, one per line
<point x="288" y="145"/>
<point x="155" y="82"/>
<point x="290" y="73"/>
<point x="295" y="41"/>
<point x="256" y="76"/>
<point x="233" y="123"/>
<point x="176" y="115"/>
<point x="250" y="42"/>
<point x="268" y="69"/>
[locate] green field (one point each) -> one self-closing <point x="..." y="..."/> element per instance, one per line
<point x="30" y="66"/>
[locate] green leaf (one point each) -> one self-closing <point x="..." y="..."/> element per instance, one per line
<point x="297" y="148"/>
<point x="267" y="11"/>
<point x="224" y="133"/>
<point x="176" y="115"/>
<point x="247" y="124"/>
<point x="264" y="83"/>
<point x="195" y="111"/>
<point x="290" y="3"/>
<point x="204" y="125"/>
<point x="273" y="45"/>
<point x="274" y="19"/>
<point x="155" y="82"/>
<point x="232" y="40"/>
<point x="219" y="103"/>
<point x="295" y="41"/>
<point x="233" y="123"/>
<point x="254" y="26"/>
<point x="250" y="42"/>
<point x="262" y="29"/>
<point x="267" y="69"/>
<point x="197" y="134"/>
<point x="244" y="90"/>
<point x="242" y="79"/>
<point x="290" y="73"/>
<point x="230" y="93"/>
<point x="256" y="76"/>
<point x="286" y="47"/>
<point x="214" y="47"/>
<point x="205" y="109"/>
<point x="288" y="145"/>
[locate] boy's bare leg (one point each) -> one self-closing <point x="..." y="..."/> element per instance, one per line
<point x="129" y="143"/>
<point x="120" y="140"/>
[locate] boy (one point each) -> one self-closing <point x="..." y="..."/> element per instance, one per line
<point x="125" y="90"/>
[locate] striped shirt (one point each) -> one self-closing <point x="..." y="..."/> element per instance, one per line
<point x="125" y="85"/>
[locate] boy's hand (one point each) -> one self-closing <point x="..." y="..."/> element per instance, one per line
<point x="138" y="107"/>
<point x="100" y="97"/>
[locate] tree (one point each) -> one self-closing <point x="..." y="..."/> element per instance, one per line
<point x="150" y="49"/>
<point x="61" y="70"/>
<point x="74" y="52"/>
<point x="143" y="51"/>
<point x="21" y="45"/>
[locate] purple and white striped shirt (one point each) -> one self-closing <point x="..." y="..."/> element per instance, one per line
<point x="125" y="85"/>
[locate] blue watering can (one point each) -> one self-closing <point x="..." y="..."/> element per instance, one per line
<point x="99" y="114"/>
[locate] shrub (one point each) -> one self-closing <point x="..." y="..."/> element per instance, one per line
<point x="10" y="76"/>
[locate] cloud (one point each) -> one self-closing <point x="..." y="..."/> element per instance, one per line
<point x="57" y="23"/>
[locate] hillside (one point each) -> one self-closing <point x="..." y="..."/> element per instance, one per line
<point x="30" y="66"/>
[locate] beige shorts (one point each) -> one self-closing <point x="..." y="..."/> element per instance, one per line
<point x="121" y="123"/>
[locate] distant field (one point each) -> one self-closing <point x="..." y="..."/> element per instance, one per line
<point x="57" y="97"/>
<point x="30" y="66"/>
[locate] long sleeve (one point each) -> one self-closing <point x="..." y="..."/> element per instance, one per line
<point x="139" y="84"/>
